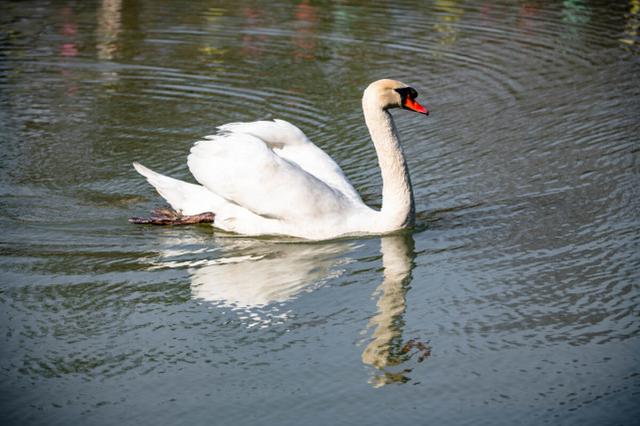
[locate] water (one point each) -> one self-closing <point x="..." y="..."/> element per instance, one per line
<point x="519" y="284"/>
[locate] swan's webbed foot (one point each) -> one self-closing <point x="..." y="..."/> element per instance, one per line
<point x="168" y="216"/>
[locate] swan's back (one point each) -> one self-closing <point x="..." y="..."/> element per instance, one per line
<point x="289" y="142"/>
<point x="276" y="177"/>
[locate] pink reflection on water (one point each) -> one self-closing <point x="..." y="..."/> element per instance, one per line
<point x="251" y="43"/>
<point x="69" y="49"/>
<point x="526" y="21"/>
<point x="305" y="25"/>
<point x="69" y="29"/>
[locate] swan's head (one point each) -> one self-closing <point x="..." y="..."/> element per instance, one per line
<point x="388" y="93"/>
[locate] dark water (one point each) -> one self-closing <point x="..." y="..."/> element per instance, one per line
<point x="521" y="279"/>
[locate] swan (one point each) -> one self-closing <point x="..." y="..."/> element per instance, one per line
<point x="268" y="178"/>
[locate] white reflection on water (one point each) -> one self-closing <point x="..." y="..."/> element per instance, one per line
<point x="267" y="273"/>
<point x="255" y="277"/>
<point x="387" y="348"/>
<point x="108" y="29"/>
<point x="632" y="25"/>
<point x="448" y="15"/>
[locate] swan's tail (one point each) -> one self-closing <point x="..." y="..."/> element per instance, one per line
<point x="186" y="198"/>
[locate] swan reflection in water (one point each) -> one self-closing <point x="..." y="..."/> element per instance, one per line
<point x="263" y="273"/>
<point x="258" y="276"/>
<point x="387" y="348"/>
<point x="255" y="277"/>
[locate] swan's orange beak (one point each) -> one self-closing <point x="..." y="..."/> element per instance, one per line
<point x="413" y="105"/>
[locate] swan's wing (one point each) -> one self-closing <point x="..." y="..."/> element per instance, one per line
<point x="243" y="170"/>
<point x="290" y="143"/>
<point x="276" y="133"/>
<point x="182" y="196"/>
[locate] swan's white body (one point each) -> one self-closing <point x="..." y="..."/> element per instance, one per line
<point x="268" y="178"/>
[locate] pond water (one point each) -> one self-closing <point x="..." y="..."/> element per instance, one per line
<point x="515" y="299"/>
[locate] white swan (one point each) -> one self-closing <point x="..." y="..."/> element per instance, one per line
<point x="268" y="178"/>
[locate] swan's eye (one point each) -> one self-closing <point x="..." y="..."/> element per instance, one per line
<point x="407" y="92"/>
<point x="408" y="95"/>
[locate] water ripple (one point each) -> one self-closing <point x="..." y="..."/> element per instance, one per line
<point x="525" y="176"/>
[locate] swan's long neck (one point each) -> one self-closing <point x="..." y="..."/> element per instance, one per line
<point x="398" y="209"/>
